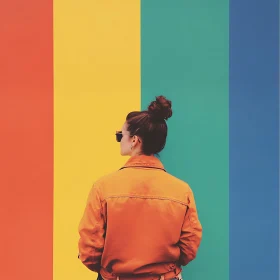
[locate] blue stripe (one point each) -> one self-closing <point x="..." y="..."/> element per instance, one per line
<point x="254" y="139"/>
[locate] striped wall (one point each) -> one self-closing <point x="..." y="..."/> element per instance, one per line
<point x="254" y="140"/>
<point x="187" y="58"/>
<point x="26" y="143"/>
<point x="70" y="72"/>
<point x="96" y="82"/>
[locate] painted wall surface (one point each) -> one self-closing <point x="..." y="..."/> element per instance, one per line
<point x="26" y="141"/>
<point x="187" y="58"/>
<point x="70" y="71"/>
<point x="97" y="81"/>
<point x="254" y="140"/>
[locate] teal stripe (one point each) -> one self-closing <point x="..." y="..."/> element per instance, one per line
<point x="184" y="56"/>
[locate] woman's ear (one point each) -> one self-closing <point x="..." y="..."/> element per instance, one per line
<point x="136" y="139"/>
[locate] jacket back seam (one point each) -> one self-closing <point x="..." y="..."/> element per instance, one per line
<point x="146" y="197"/>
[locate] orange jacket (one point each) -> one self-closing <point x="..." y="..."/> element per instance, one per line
<point x="139" y="222"/>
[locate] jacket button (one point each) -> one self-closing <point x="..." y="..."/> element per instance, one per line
<point x="172" y="266"/>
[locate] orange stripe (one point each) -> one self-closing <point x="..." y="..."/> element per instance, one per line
<point x="26" y="116"/>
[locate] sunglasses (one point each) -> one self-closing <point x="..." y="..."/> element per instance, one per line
<point x="119" y="136"/>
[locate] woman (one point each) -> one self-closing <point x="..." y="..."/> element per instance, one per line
<point x="140" y="222"/>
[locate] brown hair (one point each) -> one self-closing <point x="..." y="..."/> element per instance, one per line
<point x="150" y="125"/>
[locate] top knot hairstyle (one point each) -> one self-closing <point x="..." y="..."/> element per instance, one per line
<point x="150" y="125"/>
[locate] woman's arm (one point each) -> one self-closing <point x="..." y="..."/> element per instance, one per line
<point x="191" y="233"/>
<point x="92" y="232"/>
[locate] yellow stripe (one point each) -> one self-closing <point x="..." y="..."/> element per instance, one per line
<point x="97" y="82"/>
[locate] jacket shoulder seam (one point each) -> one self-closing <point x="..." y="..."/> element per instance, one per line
<point x="147" y="197"/>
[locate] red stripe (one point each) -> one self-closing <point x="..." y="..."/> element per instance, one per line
<point x="26" y="150"/>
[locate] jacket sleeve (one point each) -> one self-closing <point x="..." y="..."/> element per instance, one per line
<point x="92" y="232"/>
<point x="191" y="233"/>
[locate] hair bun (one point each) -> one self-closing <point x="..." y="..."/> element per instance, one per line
<point x="160" y="109"/>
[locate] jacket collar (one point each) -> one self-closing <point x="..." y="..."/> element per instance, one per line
<point x="144" y="162"/>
